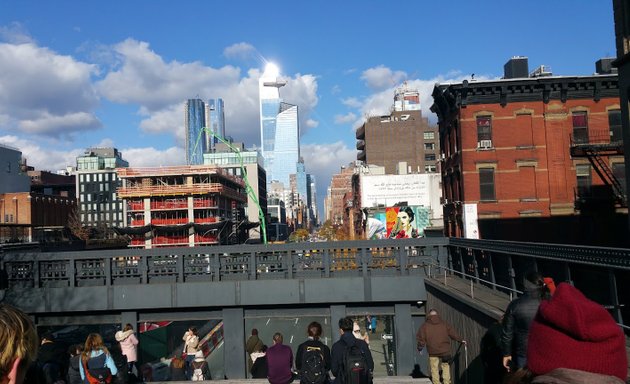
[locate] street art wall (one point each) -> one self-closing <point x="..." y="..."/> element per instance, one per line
<point x="397" y="222"/>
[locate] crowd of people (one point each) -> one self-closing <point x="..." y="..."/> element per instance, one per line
<point x="314" y="361"/>
<point x="548" y="335"/>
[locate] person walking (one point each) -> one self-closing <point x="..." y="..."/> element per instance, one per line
<point x="279" y="361"/>
<point x="338" y="353"/>
<point x="129" y="347"/>
<point x="436" y="335"/>
<point x="96" y="358"/>
<point x="517" y="320"/>
<point x="313" y="354"/>
<point x="191" y="346"/>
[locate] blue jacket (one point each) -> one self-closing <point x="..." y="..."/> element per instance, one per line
<point x="109" y="363"/>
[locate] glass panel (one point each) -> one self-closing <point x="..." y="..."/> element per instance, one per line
<point x="486" y="184"/>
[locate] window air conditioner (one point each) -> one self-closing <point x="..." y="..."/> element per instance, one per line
<point x="484" y="144"/>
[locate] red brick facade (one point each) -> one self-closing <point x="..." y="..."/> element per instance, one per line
<point x="515" y="137"/>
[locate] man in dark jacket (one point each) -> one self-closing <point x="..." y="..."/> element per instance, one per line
<point x="436" y="335"/>
<point x="314" y="331"/>
<point x="339" y="348"/>
<point x="52" y="359"/>
<point x="518" y="317"/>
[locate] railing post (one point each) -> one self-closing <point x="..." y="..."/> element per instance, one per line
<point x="253" y="266"/>
<point x="181" y="268"/>
<point x="511" y="273"/>
<point x="491" y="270"/>
<point x="364" y="263"/>
<point x="326" y="262"/>
<point x="614" y="296"/>
<point x="289" y="264"/>
<point x="36" y="278"/>
<point x="216" y="266"/>
<point x="144" y="268"/>
<point x="403" y="263"/>
<point x="72" y="274"/>
<point x="107" y="261"/>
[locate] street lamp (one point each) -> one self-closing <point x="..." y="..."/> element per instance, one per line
<point x="248" y="188"/>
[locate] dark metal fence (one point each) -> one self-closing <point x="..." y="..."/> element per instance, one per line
<point x="603" y="274"/>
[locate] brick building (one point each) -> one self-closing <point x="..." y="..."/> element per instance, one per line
<point x="402" y="138"/>
<point x="335" y="203"/>
<point x="531" y="146"/>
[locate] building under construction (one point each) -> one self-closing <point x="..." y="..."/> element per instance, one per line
<point x="182" y="206"/>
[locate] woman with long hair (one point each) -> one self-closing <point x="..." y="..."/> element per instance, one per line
<point x="96" y="358"/>
<point x="129" y="347"/>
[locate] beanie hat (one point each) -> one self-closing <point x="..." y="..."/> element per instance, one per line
<point x="571" y="331"/>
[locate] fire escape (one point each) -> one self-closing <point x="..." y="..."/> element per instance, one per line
<point x="595" y="148"/>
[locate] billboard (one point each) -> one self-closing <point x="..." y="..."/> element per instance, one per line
<point x="397" y="222"/>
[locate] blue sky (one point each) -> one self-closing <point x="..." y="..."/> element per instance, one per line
<point x="76" y="73"/>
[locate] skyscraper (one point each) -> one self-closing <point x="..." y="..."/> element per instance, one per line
<point x="279" y="130"/>
<point x="194" y="115"/>
<point x="215" y="121"/>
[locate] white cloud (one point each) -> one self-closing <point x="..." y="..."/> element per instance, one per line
<point x="352" y="102"/>
<point x="15" y="33"/>
<point x="382" y="77"/>
<point x="44" y="92"/>
<point x="240" y="51"/>
<point x="345" y="119"/>
<point x="152" y="157"/>
<point x="160" y="88"/>
<point x="47" y="158"/>
<point x="310" y="123"/>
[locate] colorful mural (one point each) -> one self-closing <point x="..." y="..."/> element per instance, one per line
<point x="397" y="222"/>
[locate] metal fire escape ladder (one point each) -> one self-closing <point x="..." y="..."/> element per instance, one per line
<point x="606" y="174"/>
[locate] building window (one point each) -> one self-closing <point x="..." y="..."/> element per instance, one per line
<point x="614" y="124"/>
<point x="429" y="157"/>
<point x="484" y="129"/>
<point x="583" y="174"/>
<point x="619" y="171"/>
<point x="429" y="146"/>
<point x="486" y="184"/>
<point x="429" y="135"/>
<point x="430" y="168"/>
<point x="580" y="127"/>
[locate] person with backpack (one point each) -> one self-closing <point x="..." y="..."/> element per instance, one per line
<point x="436" y="334"/>
<point x="199" y="368"/>
<point x="97" y="365"/>
<point x="312" y="359"/>
<point x="351" y="359"/>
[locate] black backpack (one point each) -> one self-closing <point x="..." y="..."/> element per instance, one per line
<point x="355" y="367"/>
<point x="96" y="370"/>
<point x="313" y="366"/>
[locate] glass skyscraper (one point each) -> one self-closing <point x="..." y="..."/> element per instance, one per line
<point x="215" y="121"/>
<point x="195" y="120"/>
<point x="279" y="130"/>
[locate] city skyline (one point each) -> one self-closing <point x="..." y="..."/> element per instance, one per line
<point x="74" y="80"/>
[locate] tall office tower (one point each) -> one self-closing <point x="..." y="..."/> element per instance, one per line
<point x="279" y="130"/>
<point x="215" y="121"/>
<point x="97" y="181"/>
<point x="300" y="181"/>
<point x="195" y="119"/>
<point x="311" y="191"/>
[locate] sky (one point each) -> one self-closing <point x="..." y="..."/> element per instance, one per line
<point x="76" y="74"/>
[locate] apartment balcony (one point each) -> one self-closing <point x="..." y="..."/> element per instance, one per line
<point x="361" y="155"/>
<point x="360" y="145"/>
<point x="360" y="135"/>
<point x="171" y="221"/>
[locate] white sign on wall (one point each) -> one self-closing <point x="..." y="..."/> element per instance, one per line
<point x="471" y="228"/>
<point x="388" y="190"/>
